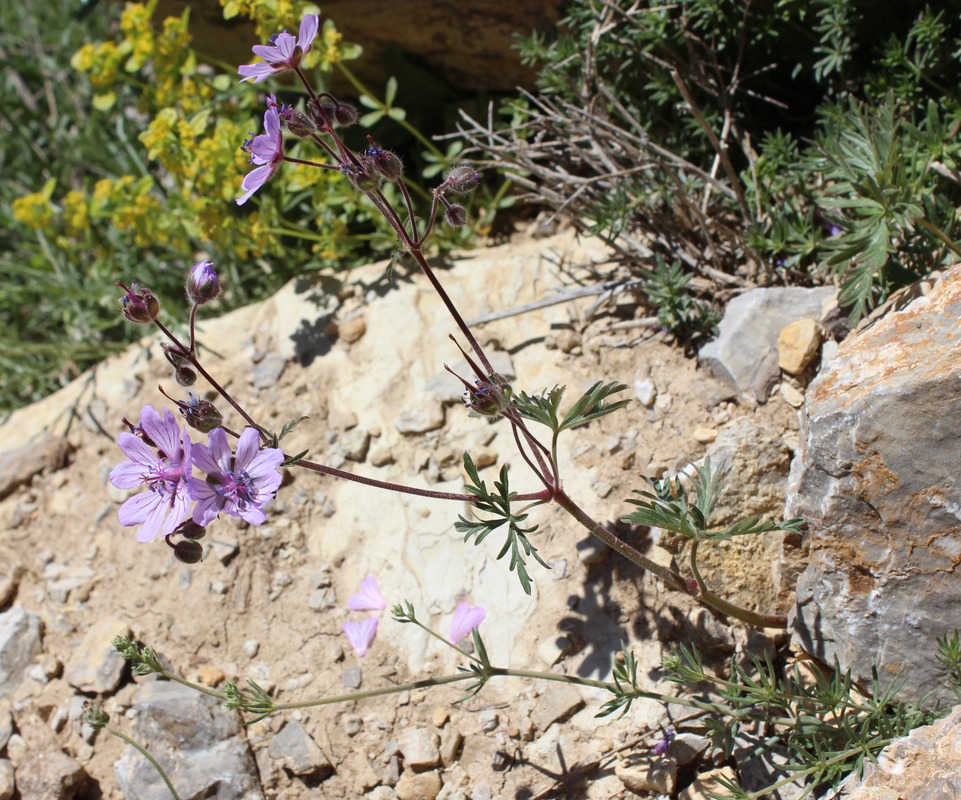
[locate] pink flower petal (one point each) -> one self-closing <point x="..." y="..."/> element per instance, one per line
<point x="361" y="635"/>
<point x="368" y="598"/>
<point x="465" y="619"/>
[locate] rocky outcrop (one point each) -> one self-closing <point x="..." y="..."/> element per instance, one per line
<point x="469" y="45"/>
<point x="876" y="479"/>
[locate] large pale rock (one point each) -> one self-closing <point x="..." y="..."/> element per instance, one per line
<point x="50" y="776"/>
<point x="745" y="354"/>
<point x="20" y="635"/>
<point x="876" y="478"/>
<point x="298" y="753"/>
<point x="200" y="745"/>
<point x="95" y="666"/>
<point x="925" y="764"/>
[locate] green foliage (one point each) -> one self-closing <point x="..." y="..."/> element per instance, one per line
<point x="667" y="290"/>
<point x="625" y="683"/>
<point x="791" y="142"/>
<point x="826" y="724"/>
<point x="949" y="654"/>
<point x="876" y="169"/>
<point x="670" y="508"/>
<point x="143" y="660"/>
<point x="252" y="700"/>
<point x="498" y="506"/>
<point x="591" y="405"/>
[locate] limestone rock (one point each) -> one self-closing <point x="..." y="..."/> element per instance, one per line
<point x="876" y="479"/>
<point x="50" y="776"/>
<point x="426" y="415"/>
<point x="9" y="580"/>
<point x="20" y="634"/>
<point x="95" y="666"/>
<point x="797" y="345"/>
<point x="748" y="336"/>
<point x="200" y="744"/>
<point x="922" y="765"/>
<point x="646" y="774"/>
<point x="559" y="702"/>
<point x="7" y="784"/>
<point x="298" y="753"/>
<point x="6" y="724"/>
<point x="475" y="53"/>
<point x="420" y="748"/>
<point x="19" y="465"/>
<point x="706" y="784"/>
<point x="418" y="786"/>
<point x="350" y="330"/>
<point x="756" y="465"/>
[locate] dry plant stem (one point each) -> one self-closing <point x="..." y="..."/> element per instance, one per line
<point x="938" y="234"/>
<point x="710" y="599"/>
<point x="712" y="137"/>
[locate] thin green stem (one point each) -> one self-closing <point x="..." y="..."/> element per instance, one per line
<point x="504" y="672"/>
<point x="143" y="751"/>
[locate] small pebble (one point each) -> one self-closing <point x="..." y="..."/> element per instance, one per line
<point x="351" y="677"/>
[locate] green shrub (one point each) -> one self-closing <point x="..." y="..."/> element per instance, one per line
<point x="784" y="142"/>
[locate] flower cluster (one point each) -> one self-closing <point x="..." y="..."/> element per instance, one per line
<point x="163" y="458"/>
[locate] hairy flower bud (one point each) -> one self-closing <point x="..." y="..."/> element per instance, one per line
<point x="345" y="114"/>
<point x="203" y="285"/>
<point x="297" y="123"/>
<point x="138" y="304"/>
<point x="462" y="179"/>
<point x="456" y="215"/>
<point x="189" y="551"/>
<point x="185" y="376"/>
<point x="322" y="112"/>
<point x="201" y="415"/>
<point x="386" y="163"/>
<point x="363" y="175"/>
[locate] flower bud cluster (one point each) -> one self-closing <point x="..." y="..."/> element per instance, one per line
<point x="139" y="304"/>
<point x="329" y="112"/>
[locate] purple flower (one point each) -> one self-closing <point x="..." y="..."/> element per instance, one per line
<point x="203" y="285"/>
<point x="236" y="484"/>
<point x="368" y="598"/>
<point x="165" y="470"/>
<point x="465" y="619"/>
<point x="361" y="635"/>
<point x="266" y="152"/>
<point x="662" y="746"/>
<point x="284" y="51"/>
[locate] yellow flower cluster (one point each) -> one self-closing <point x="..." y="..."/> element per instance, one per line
<point x="198" y="120"/>
<point x="33" y="210"/>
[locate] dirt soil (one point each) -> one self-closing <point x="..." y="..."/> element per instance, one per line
<point x="246" y="611"/>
